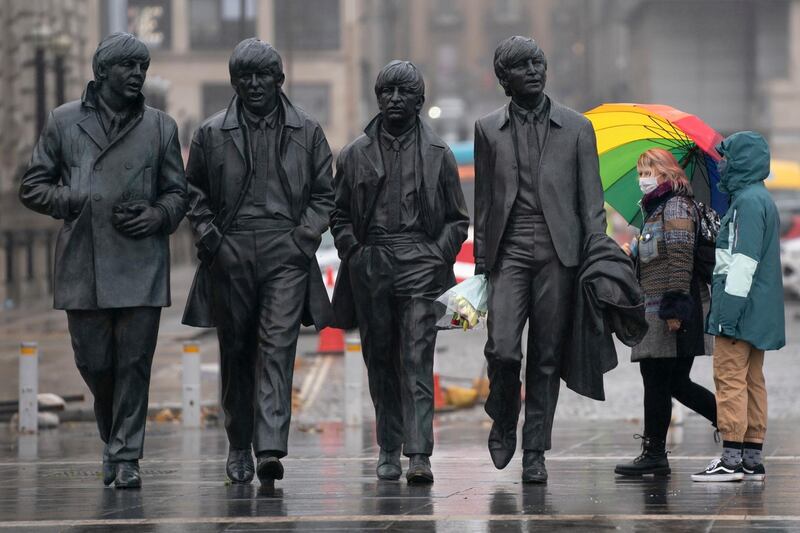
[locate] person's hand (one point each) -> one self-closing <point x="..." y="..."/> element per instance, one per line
<point x="626" y="247"/>
<point x="146" y="223"/>
<point x="673" y="324"/>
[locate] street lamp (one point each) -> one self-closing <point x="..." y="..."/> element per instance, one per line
<point x="60" y="45"/>
<point x="40" y="36"/>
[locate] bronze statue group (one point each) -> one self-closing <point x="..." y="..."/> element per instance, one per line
<point x="259" y="192"/>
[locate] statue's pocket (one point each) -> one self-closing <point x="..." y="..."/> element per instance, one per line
<point x="76" y="195"/>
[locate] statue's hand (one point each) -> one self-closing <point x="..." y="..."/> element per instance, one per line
<point x="146" y="223"/>
<point x="205" y="255"/>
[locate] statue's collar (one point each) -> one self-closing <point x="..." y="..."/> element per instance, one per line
<point x="90" y="98"/>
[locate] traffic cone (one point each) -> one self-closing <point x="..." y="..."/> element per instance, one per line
<point x="439" y="402"/>
<point x="331" y="340"/>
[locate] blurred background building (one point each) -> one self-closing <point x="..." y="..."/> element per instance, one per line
<point x="735" y="63"/>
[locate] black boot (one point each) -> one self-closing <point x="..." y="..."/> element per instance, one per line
<point x="419" y="469"/>
<point x="239" y="465"/>
<point x="653" y="460"/>
<point x="389" y="465"/>
<point x="128" y="476"/>
<point x="533" y="469"/>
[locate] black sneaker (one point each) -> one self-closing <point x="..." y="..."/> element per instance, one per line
<point x="754" y="473"/>
<point x="719" y="470"/>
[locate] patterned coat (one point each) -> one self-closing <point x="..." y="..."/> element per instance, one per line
<point x="664" y="260"/>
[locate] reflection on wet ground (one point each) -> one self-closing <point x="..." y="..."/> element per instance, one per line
<point x="51" y="482"/>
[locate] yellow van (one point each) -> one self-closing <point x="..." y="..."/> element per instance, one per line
<point x="784" y="174"/>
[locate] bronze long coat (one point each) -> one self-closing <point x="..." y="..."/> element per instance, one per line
<point x="76" y="174"/>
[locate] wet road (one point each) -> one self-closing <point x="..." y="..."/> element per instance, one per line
<point x="51" y="483"/>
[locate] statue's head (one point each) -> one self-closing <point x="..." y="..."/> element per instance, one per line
<point x="400" y="90"/>
<point x="256" y="71"/>
<point x="120" y="64"/>
<point x="520" y="67"/>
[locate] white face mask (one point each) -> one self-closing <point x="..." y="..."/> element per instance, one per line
<point x="648" y="184"/>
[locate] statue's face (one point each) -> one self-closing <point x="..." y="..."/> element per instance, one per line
<point x="126" y="78"/>
<point x="527" y="77"/>
<point x="399" y="104"/>
<point x="258" y="90"/>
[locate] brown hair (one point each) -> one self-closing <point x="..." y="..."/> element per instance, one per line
<point x="663" y="163"/>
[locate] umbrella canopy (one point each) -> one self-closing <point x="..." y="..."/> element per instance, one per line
<point x="624" y="131"/>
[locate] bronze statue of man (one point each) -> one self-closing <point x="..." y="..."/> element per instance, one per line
<point x="260" y="194"/>
<point x="400" y="220"/>
<point x="538" y="194"/>
<point x="110" y="167"/>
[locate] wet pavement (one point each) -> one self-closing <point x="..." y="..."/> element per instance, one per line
<point x="51" y="483"/>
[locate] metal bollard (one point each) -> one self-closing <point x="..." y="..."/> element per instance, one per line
<point x="191" y="385"/>
<point x="28" y="387"/>
<point x="353" y="380"/>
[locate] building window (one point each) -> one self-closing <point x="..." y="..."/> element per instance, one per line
<point x="151" y="21"/>
<point x="307" y="25"/>
<point x="445" y="14"/>
<point x="507" y="11"/>
<point x="221" y="23"/>
<point x="314" y="98"/>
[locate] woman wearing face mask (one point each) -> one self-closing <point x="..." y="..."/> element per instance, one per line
<point x="664" y="255"/>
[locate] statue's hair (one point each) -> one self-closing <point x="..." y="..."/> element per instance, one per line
<point x="117" y="48"/>
<point x="511" y="51"/>
<point x="254" y="55"/>
<point x="402" y="74"/>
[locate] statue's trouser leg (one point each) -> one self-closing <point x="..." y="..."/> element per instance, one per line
<point x="527" y="284"/>
<point x="114" y="353"/>
<point x="282" y="297"/>
<point x="394" y="288"/>
<point x="552" y="292"/>
<point x="259" y="293"/>
<point x="509" y="285"/>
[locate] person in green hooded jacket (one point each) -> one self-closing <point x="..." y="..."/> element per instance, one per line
<point x="746" y="315"/>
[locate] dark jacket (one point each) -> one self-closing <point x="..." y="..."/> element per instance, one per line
<point x="568" y="183"/>
<point x="609" y="300"/>
<point x="77" y="175"/>
<point x="219" y="161"/>
<point x="360" y="176"/>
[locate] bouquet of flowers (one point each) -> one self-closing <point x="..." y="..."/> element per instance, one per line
<point x="464" y="306"/>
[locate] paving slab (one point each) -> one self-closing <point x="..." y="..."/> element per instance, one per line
<point x="51" y="482"/>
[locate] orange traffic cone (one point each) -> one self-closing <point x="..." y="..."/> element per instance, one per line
<point x="438" y="394"/>
<point x="331" y="340"/>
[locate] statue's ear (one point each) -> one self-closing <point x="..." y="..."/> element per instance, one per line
<point x="102" y="72"/>
<point x="420" y="103"/>
<point x="280" y="80"/>
<point x="504" y="85"/>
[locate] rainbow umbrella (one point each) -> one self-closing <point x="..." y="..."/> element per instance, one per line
<point x="624" y="131"/>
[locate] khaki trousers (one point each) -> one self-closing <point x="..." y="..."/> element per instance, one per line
<point x="741" y="390"/>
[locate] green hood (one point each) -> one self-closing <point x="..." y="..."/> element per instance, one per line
<point x="747" y="153"/>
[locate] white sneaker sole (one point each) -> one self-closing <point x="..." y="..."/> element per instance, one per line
<point x="717" y="477"/>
